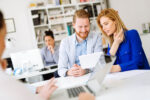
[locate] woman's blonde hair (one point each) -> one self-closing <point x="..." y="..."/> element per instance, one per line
<point x="112" y="15"/>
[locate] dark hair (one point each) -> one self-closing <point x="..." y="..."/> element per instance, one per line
<point x="49" y="33"/>
<point x="1" y="20"/>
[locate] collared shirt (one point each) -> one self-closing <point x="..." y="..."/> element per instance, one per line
<point x="81" y="49"/>
<point x="67" y="51"/>
<point x="130" y="54"/>
<point x="48" y="57"/>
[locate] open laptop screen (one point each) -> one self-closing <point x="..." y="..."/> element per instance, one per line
<point x="27" y="59"/>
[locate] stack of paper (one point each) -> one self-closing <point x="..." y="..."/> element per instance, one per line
<point x="89" y="61"/>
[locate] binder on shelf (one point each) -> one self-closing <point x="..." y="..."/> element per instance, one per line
<point x="62" y="2"/>
<point x="97" y="9"/>
<point x="35" y="16"/>
<point x="69" y="30"/>
<point x="41" y="17"/>
<point x="88" y="8"/>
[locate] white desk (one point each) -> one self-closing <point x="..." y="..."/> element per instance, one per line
<point x="66" y="82"/>
<point x="131" y="85"/>
<point x="34" y="73"/>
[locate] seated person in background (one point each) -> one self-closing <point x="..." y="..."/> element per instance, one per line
<point x="125" y="44"/>
<point x="50" y="53"/>
<point x="81" y="43"/>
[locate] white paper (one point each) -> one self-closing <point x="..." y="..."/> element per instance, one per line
<point x="89" y="61"/>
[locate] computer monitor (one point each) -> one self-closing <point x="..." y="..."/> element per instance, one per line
<point x="29" y="59"/>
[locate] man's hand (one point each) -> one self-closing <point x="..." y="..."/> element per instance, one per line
<point x="46" y="91"/>
<point x="76" y="71"/>
<point x="115" y="68"/>
<point x="86" y="96"/>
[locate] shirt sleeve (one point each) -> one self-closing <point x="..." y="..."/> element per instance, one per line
<point x="108" y="50"/>
<point x="99" y="48"/>
<point x="98" y="44"/>
<point x="63" y="59"/>
<point x="136" y="52"/>
<point x="56" y="55"/>
<point x="43" y="57"/>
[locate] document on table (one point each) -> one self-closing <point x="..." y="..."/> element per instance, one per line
<point x="89" y="60"/>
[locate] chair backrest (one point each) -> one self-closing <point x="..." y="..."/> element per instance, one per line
<point x="145" y="38"/>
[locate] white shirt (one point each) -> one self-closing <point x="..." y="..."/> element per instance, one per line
<point x="11" y="89"/>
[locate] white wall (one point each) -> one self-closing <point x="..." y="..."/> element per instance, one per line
<point x="132" y="12"/>
<point x="24" y="38"/>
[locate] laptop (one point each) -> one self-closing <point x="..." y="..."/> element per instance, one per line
<point x="27" y="60"/>
<point x="93" y="85"/>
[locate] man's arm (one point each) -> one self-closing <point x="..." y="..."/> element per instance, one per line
<point x="63" y="59"/>
<point x="99" y="48"/>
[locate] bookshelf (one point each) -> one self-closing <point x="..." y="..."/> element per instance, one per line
<point x="58" y="17"/>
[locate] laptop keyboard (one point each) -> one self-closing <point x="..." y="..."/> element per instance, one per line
<point x="74" y="92"/>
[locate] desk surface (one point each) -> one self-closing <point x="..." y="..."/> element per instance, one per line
<point x="130" y="85"/>
<point x="35" y="73"/>
<point x="134" y="85"/>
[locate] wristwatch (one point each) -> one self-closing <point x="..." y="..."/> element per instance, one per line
<point x="87" y="71"/>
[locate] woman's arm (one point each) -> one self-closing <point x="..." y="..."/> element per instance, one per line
<point x="114" y="48"/>
<point x="118" y="38"/>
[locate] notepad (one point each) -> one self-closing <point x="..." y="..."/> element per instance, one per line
<point x="89" y="61"/>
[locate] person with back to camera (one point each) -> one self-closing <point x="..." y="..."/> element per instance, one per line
<point x="50" y="53"/>
<point x="125" y="44"/>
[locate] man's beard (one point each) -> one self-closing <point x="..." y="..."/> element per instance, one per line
<point x="81" y="36"/>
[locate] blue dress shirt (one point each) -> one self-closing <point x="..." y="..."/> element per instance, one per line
<point x="130" y="54"/>
<point x="81" y="49"/>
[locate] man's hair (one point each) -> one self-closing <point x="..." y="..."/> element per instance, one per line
<point x="1" y="20"/>
<point x="81" y="13"/>
<point x="49" y="33"/>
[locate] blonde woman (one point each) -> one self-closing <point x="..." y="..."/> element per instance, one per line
<point x="125" y="44"/>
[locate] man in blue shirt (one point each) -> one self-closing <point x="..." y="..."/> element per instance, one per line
<point x="81" y="43"/>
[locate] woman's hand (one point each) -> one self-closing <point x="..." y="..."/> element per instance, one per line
<point x="47" y="90"/>
<point x="115" y="68"/>
<point x="118" y="37"/>
<point x="51" y="48"/>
